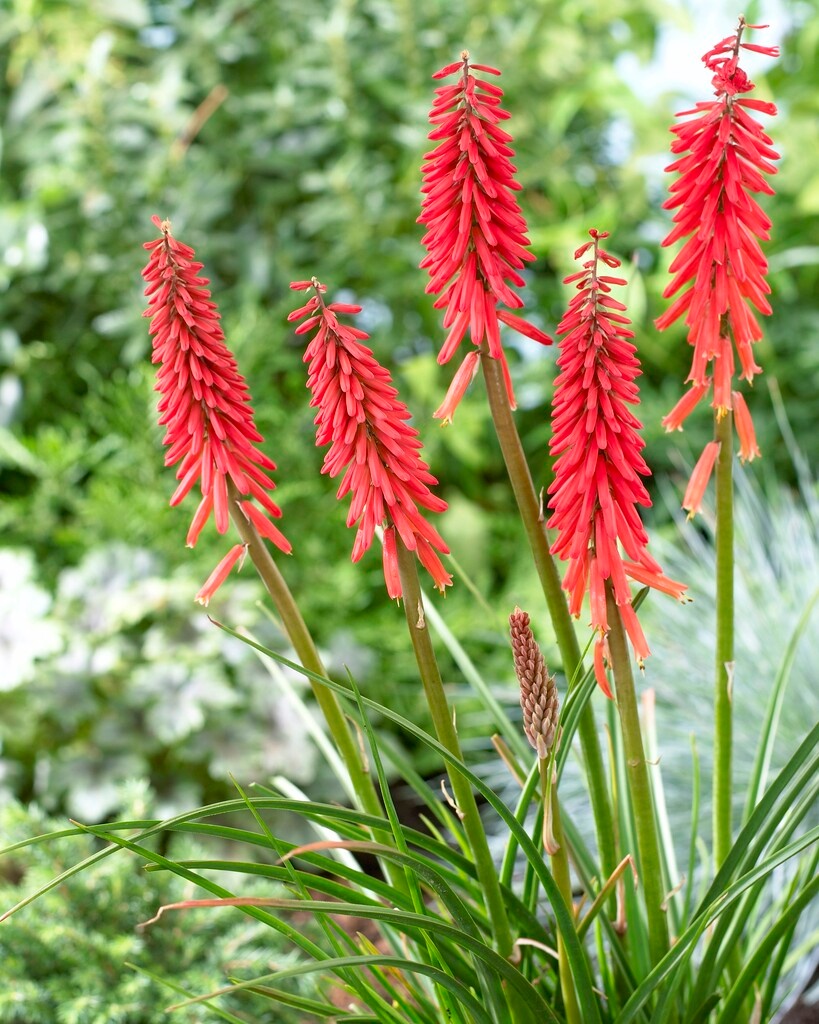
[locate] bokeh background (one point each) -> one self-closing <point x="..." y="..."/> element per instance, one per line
<point x="283" y="138"/>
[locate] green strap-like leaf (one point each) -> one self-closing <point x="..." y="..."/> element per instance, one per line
<point x="345" y="963"/>
<point x="767" y="736"/>
<point x="683" y="948"/>
<point x="756" y="962"/>
<point x="563" y="915"/>
<point x="800" y="768"/>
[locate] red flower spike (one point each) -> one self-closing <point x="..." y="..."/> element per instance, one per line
<point x="597" y="483"/>
<point x="361" y="418"/>
<point x="476" y="238"/>
<point x="205" y="404"/>
<point x="723" y="156"/>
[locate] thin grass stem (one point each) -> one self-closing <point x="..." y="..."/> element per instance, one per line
<point x="555" y="844"/>
<point x="648" y="847"/>
<point x="307" y="653"/>
<point x="448" y="737"/>
<point x="723" y="696"/>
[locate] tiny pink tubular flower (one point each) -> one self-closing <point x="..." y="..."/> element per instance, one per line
<point x="597" y="483"/>
<point x="361" y="418"/>
<point x="686" y="405"/>
<point x="692" y="500"/>
<point x="748" y="448"/>
<point x="204" y="405"/>
<point x="220" y="574"/>
<point x="723" y="157"/>
<point x="464" y="376"/>
<point x="476" y="238"/>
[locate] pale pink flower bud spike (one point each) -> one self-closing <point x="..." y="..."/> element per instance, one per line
<point x="597" y="485"/>
<point x="538" y="692"/>
<point x="361" y="418"/>
<point x="476" y="238"/>
<point x="204" y="405"/>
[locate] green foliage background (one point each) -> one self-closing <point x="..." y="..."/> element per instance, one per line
<point x="77" y="957"/>
<point x="308" y="164"/>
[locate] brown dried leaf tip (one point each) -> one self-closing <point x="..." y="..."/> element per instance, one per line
<point x="538" y="693"/>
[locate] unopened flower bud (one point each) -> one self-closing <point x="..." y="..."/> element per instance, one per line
<point x="538" y="693"/>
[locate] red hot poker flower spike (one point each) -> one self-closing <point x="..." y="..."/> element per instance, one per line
<point x="724" y="155"/>
<point x="360" y="416"/>
<point x="597" y="483"/>
<point x="205" y="405"/>
<point x="476" y="239"/>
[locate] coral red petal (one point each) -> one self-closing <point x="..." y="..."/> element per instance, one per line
<point x="220" y="574"/>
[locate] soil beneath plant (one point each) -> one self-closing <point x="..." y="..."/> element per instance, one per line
<point x="802" y="1013"/>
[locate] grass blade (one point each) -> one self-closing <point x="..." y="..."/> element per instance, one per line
<point x="767" y="738"/>
<point x="338" y="964"/>
<point x="563" y="915"/>
<point x="683" y="949"/>
<point x="756" y="961"/>
<point x="167" y="983"/>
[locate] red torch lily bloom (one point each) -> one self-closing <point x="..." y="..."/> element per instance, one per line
<point x="360" y="416"/>
<point x="476" y="239"/>
<point x="205" y="405"/>
<point x="724" y="155"/>
<point x="597" y="483"/>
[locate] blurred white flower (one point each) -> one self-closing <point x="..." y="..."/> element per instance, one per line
<point x="27" y="632"/>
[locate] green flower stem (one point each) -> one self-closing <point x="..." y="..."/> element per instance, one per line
<point x="648" y="847"/>
<point x="448" y="736"/>
<point x="305" y="648"/>
<point x="559" y="859"/>
<point x="530" y="513"/>
<point x="724" y="434"/>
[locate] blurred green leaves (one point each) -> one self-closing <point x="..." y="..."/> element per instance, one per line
<point x="284" y="140"/>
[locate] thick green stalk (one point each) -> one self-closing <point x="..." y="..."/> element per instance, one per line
<point x="724" y="432"/>
<point x="448" y="737"/>
<point x="560" y="870"/>
<point x="524" y="490"/>
<point x="648" y="847"/>
<point x="305" y="648"/>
